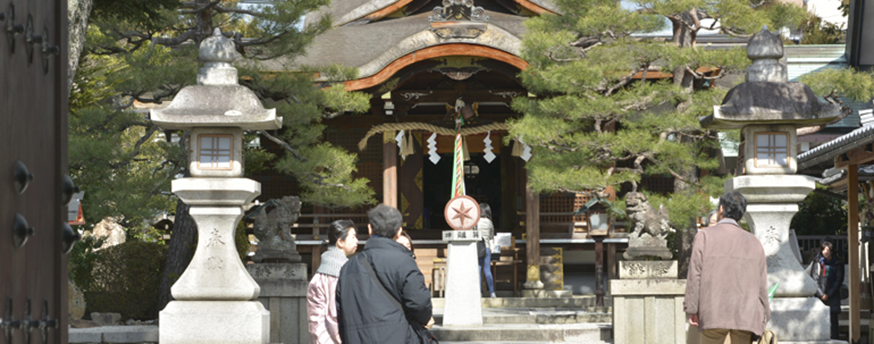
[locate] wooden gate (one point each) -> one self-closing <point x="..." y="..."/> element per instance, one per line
<point x="33" y="155"/>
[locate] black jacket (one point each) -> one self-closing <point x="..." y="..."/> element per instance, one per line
<point x="364" y="313"/>
<point x="823" y="287"/>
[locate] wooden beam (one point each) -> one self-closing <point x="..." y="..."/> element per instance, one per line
<point x="410" y="96"/>
<point x="452" y="49"/>
<point x="858" y="156"/>
<point x="390" y="173"/>
<point x="853" y="242"/>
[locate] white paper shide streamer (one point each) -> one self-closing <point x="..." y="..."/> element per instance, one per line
<point x="432" y="149"/>
<point x="526" y="153"/>
<point x="489" y="156"/>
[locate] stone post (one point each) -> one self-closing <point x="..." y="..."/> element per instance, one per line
<point x="215" y="296"/>
<point x="283" y="293"/>
<point x="278" y="271"/>
<point x="463" y="305"/>
<point x="648" y="303"/>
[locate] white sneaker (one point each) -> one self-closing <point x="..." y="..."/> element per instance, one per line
<point x="493" y="295"/>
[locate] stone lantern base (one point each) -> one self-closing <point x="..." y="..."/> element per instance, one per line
<point x="796" y="316"/>
<point x="215" y="322"/>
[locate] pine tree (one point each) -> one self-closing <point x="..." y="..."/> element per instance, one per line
<point x="145" y="55"/>
<point x="594" y="125"/>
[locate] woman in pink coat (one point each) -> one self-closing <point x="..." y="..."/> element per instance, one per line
<point x="321" y="305"/>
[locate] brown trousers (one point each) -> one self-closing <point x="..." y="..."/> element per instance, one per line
<point x="720" y="336"/>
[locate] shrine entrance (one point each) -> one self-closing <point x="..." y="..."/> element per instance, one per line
<point x="482" y="182"/>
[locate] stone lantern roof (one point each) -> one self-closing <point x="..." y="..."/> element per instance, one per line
<point x="217" y="100"/>
<point x="767" y="97"/>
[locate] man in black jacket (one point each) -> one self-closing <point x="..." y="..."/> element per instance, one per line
<point x="366" y="312"/>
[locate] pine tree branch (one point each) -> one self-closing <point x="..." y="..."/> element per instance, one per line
<point x="316" y="178"/>
<point x="136" y="149"/>
<point x="174" y="41"/>
<point x="284" y="145"/>
<point x="761" y="3"/>
<point x="222" y="9"/>
<point x="202" y="8"/>
<point x="702" y="76"/>
<point x="622" y="82"/>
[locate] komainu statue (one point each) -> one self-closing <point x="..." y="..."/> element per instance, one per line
<point x="649" y="228"/>
<point x="273" y="230"/>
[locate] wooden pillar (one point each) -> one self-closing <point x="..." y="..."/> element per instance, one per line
<point x="612" y="266"/>
<point x="532" y="239"/>
<point x="390" y="173"/>
<point x="853" y="243"/>
<point x="599" y="270"/>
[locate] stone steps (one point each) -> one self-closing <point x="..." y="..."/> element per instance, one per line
<point x="577" y="301"/>
<point x="537" y="316"/>
<point x="526" y="333"/>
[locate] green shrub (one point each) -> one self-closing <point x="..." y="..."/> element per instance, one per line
<point x="81" y="261"/>
<point x="126" y="279"/>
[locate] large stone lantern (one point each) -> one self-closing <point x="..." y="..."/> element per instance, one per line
<point x="767" y="108"/>
<point x="214" y="296"/>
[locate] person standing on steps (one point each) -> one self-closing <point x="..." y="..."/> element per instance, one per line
<point x="484" y="246"/>
<point x="321" y="303"/>
<point x="827" y="271"/>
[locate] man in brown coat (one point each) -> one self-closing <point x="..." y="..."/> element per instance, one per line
<point x="727" y="285"/>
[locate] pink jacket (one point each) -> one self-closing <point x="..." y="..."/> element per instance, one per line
<point x="322" y="310"/>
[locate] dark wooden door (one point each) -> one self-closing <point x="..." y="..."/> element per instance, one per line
<point x="33" y="130"/>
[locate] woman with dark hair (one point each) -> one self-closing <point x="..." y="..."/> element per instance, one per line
<point x="486" y="226"/>
<point x="827" y="271"/>
<point x="321" y="304"/>
<point x="407" y="241"/>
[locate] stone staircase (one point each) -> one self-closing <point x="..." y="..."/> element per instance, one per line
<point x="532" y="320"/>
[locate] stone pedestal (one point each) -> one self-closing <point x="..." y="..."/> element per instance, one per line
<point x="648" y="303"/>
<point x="772" y="201"/>
<point x="463" y="305"/>
<point x="214" y="322"/>
<point x="283" y="293"/>
<point x="214" y="296"/>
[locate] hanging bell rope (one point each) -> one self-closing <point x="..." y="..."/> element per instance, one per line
<point x="393" y="127"/>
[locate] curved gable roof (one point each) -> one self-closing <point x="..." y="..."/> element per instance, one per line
<point x="345" y="12"/>
<point x="372" y="47"/>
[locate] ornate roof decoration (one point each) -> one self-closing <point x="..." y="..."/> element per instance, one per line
<point x="458" y="10"/>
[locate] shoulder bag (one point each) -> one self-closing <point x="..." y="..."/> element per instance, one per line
<point x="424" y="335"/>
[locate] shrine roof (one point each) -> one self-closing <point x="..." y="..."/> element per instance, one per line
<point x="371" y="46"/>
<point x="345" y="12"/>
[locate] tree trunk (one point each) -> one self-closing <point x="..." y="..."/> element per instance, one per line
<point x="78" y="12"/>
<point x="183" y="242"/>
<point x="685" y="234"/>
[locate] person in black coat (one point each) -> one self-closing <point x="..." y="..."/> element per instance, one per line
<point x="365" y="313"/>
<point x="827" y="271"/>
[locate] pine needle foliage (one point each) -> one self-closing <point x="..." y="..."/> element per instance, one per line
<point x="602" y="116"/>
<point x="141" y="56"/>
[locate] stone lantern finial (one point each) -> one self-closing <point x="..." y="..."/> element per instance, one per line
<point x="217" y="52"/>
<point x="766" y="49"/>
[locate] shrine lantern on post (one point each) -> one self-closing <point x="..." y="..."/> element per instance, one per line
<point x="599" y="225"/>
<point x="215" y="297"/>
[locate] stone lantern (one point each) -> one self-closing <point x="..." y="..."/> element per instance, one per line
<point x="214" y="297"/>
<point x="767" y="108"/>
